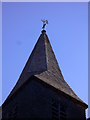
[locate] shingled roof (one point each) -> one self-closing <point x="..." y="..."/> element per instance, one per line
<point x="42" y="64"/>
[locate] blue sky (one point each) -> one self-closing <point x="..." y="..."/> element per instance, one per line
<point x="68" y="34"/>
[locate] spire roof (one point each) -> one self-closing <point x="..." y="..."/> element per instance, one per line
<point x="42" y="64"/>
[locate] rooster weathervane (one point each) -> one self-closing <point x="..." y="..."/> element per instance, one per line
<point x="44" y="23"/>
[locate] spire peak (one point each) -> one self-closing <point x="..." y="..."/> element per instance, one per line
<point x="43" y="31"/>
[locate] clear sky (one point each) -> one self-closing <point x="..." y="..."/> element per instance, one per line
<point x="68" y="34"/>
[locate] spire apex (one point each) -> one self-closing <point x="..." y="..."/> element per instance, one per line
<point x="43" y="31"/>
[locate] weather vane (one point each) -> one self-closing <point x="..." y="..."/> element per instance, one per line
<point x="44" y="23"/>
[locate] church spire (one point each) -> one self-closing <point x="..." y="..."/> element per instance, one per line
<point x="42" y="64"/>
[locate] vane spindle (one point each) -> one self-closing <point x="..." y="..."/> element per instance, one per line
<point x="44" y="23"/>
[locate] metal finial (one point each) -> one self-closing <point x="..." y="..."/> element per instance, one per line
<point x="44" y="23"/>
